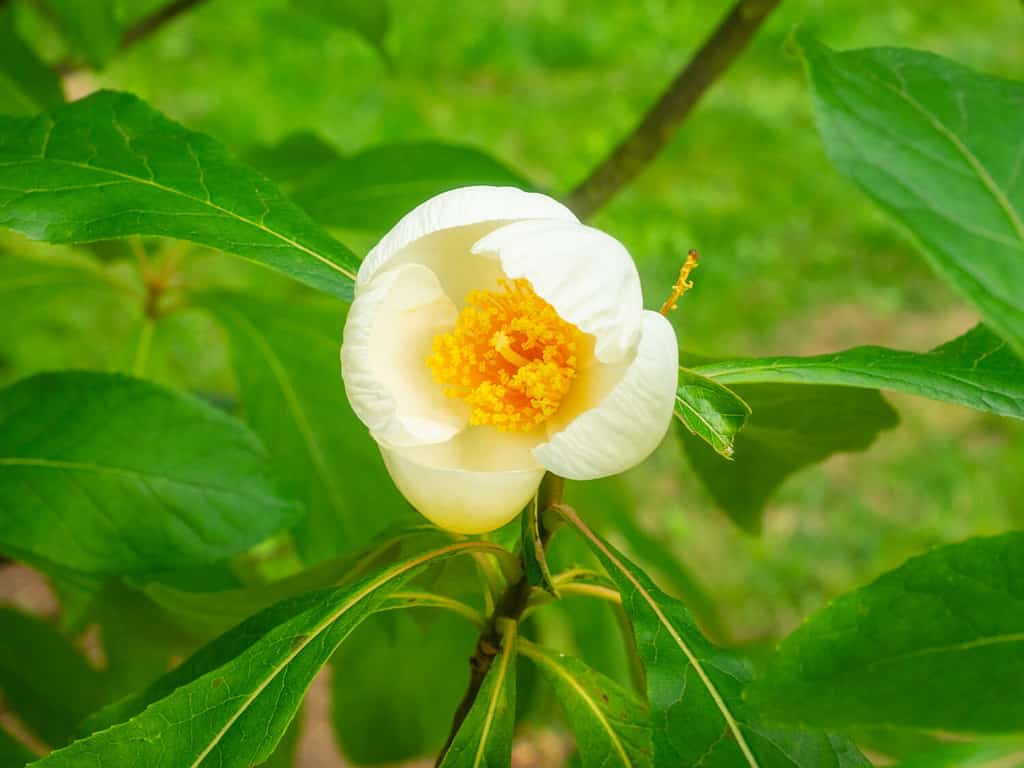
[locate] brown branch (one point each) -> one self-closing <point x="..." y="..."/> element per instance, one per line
<point x="142" y="29"/>
<point x="511" y="605"/>
<point x="653" y="132"/>
<point x="154" y="21"/>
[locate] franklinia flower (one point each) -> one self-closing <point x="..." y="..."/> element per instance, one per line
<point x="493" y="337"/>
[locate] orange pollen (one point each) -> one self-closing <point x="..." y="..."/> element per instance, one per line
<point x="510" y="357"/>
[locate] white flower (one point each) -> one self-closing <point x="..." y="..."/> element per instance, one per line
<point x="493" y="337"/>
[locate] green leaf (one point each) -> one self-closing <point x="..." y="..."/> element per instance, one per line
<point x="285" y="358"/>
<point x="27" y="85"/>
<point x="609" y="723"/>
<point x="695" y="689"/>
<point x="791" y="427"/>
<point x="368" y="20"/>
<point x="710" y="411"/>
<point x="287" y="749"/>
<point x="959" y="755"/>
<point x="210" y="612"/>
<point x="373" y="189"/>
<point x="534" y="536"/>
<point x="109" y="166"/>
<point x="90" y="27"/>
<point x="936" y="644"/>
<point x="43" y="679"/>
<point x="484" y="740"/>
<point x="13" y="754"/>
<point x="397" y="681"/>
<point x="978" y="369"/>
<point x="230" y="704"/>
<point x="106" y="474"/>
<point x="941" y="147"/>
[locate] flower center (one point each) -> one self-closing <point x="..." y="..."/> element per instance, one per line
<point x="510" y="357"/>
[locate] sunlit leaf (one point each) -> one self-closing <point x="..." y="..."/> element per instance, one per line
<point x="109" y="166"/>
<point x="230" y="704"/>
<point x="936" y="644"/>
<point x="978" y="369"/>
<point x="695" y="689"/>
<point x="484" y="739"/>
<point x="941" y="147"/>
<point x="710" y="411"/>
<point x="107" y="474"/>
<point x="609" y="723"/>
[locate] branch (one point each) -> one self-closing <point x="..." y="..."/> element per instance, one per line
<point x="653" y="132"/>
<point x="158" y="18"/>
<point x="142" y="29"/>
<point x="511" y="605"/>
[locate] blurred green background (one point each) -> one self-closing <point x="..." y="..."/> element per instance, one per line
<point x="794" y="259"/>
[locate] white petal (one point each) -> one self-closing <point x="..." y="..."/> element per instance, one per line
<point x="485" y="208"/>
<point x="388" y="335"/>
<point x="586" y="275"/>
<point x="627" y="425"/>
<point x="474" y="483"/>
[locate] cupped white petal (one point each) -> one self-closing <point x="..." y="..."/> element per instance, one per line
<point x="628" y="423"/>
<point x="585" y="274"/>
<point x="387" y="340"/>
<point x="481" y="208"/>
<point x="474" y="483"/>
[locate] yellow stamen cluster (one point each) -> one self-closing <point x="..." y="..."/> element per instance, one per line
<point x="510" y="357"/>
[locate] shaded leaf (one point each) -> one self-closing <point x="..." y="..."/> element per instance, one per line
<point x="941" y="147"/>
<point x="212" y="611"/>
<point x="90" y="27"/>
<point x="936" y="644"/>
<point x="710" y="411"/>
<point x="396" y="682"/>
<point x="106" y="474"/>
<point x="978" y="369"/>
<point x="27" y="85"/>
<point x="535" y="561"/>
<point x="791" y="427"/>
<point x="374" y="188"/>
<point x="368" y="20"/>
<point x="484" y="740"/>
<point x="230" y="704"/>
<point x="109" y="166"/>
<point x="13" y="754"/>
<point x="609" y="723"/>
<point x="285" y="358"/>
<point x="694" y="688"/>
<point x="43" y="679"/>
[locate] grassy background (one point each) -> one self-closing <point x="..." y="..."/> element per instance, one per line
<point x="795" y="260"/>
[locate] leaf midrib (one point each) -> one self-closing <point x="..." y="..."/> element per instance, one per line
<point x="127" y="472"/>
<point x="706" y="681"/>
<point x="208" y="203"/>
<point x="499" y="685"/>
<point x="558" y="669"/>
<point x="976" y="165"/>
<point x="327" y="622"/>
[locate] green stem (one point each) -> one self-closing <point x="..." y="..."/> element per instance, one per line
<point x="509" y="607"/>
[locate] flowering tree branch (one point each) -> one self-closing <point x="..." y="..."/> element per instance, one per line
<point x="653" y="132"/>
<point x="145" y="27"/>
<point x="511" y="605"/>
